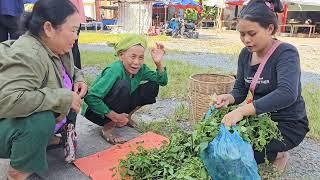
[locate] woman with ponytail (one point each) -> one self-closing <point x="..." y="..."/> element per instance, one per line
<point x="40" y="89"/>
<point x="270" y="70"/>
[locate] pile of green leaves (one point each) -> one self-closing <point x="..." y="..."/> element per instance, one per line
<point x="176" y="160"/>
<point x="257" y="130"/>
<point x="180" y="158"/>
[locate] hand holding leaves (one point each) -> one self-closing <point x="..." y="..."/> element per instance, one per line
<point x="232" y="118"/>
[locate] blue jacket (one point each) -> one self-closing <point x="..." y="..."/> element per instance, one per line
<point x="11" y="7"/>
<point x="173" y="24"/>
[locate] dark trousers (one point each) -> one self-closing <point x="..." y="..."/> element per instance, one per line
<point x="120" y="100"/>
<point x="76" y="52"/>
<point x="293" y="134"/>
<point x="76" y="55"/>
<point x="9" y="25"/>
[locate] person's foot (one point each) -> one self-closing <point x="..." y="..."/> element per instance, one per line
<point x="14" y="174"/>
<point x="112" y="139"/>
<point x="55" y="142"/>
<point x="281" y="161"/>
<point x="131" y="123"/>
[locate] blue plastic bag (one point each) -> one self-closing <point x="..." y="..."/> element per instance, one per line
<point x="229" y="157"/>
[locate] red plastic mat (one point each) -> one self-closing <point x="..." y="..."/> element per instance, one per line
<point x="100" y="166"/>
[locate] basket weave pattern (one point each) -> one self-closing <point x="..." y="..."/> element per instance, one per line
<point x="204" y="85"/>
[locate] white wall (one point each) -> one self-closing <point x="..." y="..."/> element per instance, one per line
<point x="89" y="10"/>
<point x="135" y="18"/>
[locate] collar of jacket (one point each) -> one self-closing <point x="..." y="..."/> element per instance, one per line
<point x="50" y="53"/>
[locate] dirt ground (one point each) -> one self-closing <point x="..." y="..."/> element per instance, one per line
<point x="211" y="41"/>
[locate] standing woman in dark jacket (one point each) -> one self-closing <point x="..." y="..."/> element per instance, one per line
<point x="278" y="88"/>
<point x="75" y="49"/>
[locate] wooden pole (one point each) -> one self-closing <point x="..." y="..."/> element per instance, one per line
<point x="165" y="15"/>
<point x="97" y="4"/>
<point x="284" y="17"/>
<point x="219" y="18"/>
<point x="139" y="16"/>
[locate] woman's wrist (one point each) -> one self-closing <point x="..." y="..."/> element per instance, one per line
<point x="231" y="99"/>
<point x="247" y="110"/>
<point x="112" y="115"/>
<point x="159" y="67"/>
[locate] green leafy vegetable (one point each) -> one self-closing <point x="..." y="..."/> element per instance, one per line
<point x="180" y="158"/>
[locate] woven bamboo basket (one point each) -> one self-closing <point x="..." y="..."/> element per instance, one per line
<point x="201" y="87"/>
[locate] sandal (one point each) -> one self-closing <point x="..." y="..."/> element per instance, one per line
<point x="54" y="145"/>
<point x="132" y="124"/>
<point x="112" y="139"/>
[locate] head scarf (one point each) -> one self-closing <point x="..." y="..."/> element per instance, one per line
<point x="130" y="41"/>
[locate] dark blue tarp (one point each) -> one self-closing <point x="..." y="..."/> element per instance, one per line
<point x="177" y="3"/>
<point x="183" y="2"/>
<point x="29" y="1"/>
<point x="158" y="4"/>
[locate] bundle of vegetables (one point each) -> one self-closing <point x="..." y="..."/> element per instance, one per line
<point x="257" y="130"/>
<point x="180" y="158"/>
<point x="176" y="160"/>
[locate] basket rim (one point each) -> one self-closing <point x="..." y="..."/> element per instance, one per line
<point x="226" y="82"/>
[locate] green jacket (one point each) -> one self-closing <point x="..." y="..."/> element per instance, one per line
<point x="30" y="78"/>
<point x="113" y="73"/>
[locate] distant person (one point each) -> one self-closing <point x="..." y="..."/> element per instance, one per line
<point x="182" y="27"/>
<point x="41" y="90"/>
<point x="10" y="13"/>
<point x="270" y="70"/>
<point x="124" y="86"/>
<point x="173" y="27"/>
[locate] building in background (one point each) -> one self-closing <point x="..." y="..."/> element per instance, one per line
<point x="89" y="9"/>
<point x="108" y="9"/>
<point x="101" y="9"/>
<point x="135" y="16"/>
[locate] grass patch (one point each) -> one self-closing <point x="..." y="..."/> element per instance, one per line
<point x="182" y="112"/>
<point x="89" y="58"/>
<point x="165" y="127"/>
<point x="311" y="94"/>
<point x="96" y="37"/>
<point x="214" y="46"/>
<point x="178" y="72"/>
<point x="268" y="172"/>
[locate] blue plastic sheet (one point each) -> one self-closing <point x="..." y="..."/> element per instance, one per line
<point x="229" y="157"/>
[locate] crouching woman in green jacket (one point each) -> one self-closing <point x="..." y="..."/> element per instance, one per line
<point x="39" y="86"/>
